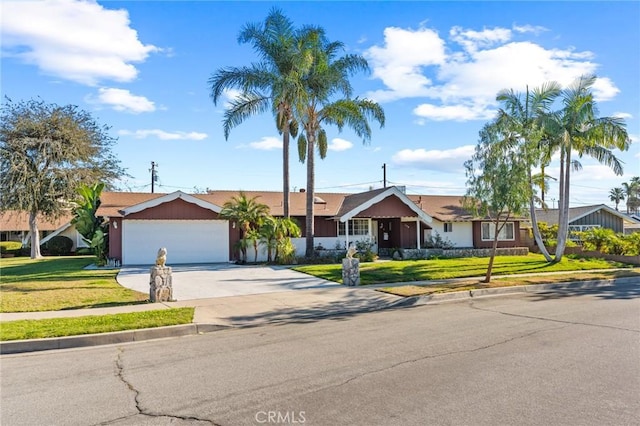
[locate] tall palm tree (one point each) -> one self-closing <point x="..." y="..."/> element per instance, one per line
<point x="274" y="83"/>
<point x="577" y="128"/>
<point x="328" y="102"/>
<point x="632" y="192"/>
<point x="521" y="115"/>
<point x="616" y="195"/>
<point x="248" y="214"/>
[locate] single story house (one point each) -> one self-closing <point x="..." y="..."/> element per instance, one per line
<point x="14" y="226"/>
<point x="190" y="226"/>
<point x="589" y="217"/>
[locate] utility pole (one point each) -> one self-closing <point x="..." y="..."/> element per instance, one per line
<point x="154" y="175"/>
<point x="384" y="175"/>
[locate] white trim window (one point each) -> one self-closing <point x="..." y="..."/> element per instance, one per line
<point x="448" y="227"/>
<point x="489" y="231"/>
<point x="356" y="227"/>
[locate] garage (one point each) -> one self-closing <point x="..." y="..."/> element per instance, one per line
<point x="187" y="241"/>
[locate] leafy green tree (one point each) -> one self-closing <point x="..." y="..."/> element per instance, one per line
<point x="47" y="151"/>
<point x="94" y="229"/>
<point x="248" y="214"/>
<point x="498" y="184"/>
<point x="616" y="195"/>
<point x="521" y="116"/>
<point x="577" y="128"/>
<point x="328" y="102"/>
<point x="274" y="83"/>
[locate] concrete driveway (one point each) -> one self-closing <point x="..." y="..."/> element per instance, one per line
<point x="222" y="280"/>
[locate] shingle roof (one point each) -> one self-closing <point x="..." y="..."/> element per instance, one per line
<point x="14" y="220"/>
<point x="445" y="208"/>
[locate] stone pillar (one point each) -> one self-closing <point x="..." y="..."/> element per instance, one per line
<point x="160" y="287"/>
<point x="350" y="271"/>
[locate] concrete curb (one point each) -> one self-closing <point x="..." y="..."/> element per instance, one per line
<point x="533" y="288"/>
<point x="34" y="345"/>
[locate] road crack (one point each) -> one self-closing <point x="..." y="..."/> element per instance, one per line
<point x="472" y="306"/>
<point x="140" y="411"/>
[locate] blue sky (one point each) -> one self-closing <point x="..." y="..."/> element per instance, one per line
<point x="142" y="68"/>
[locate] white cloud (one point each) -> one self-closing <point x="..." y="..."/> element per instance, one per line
<point x="122" y="100"/>
<point x="535" y="29"/>
<point x="73" y="39"/>
<point x="267" y="143"/>
<point x="462" y="84"/>
<point x="399" y="63"/>
<point x="623" y="115"/>
<point x="229" y="96"/>
<point x="453" y="112"/>
<point x="450" y="160"/>
<point x="163" y="135"/>
<point x="338" y="144"/>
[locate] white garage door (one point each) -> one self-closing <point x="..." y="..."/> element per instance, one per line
<point x="187" y="241"/>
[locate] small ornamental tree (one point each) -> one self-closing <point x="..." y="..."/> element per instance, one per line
<point x="497" y="183"/>
<point x="47" y="151"/>
<point x="94" y="229"/>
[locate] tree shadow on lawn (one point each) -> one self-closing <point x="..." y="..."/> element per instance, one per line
<point x="624" y="291"/>
<point x="106" y="305"/>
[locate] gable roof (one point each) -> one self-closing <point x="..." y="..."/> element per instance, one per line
<point x="550" y="216"/>
<point x="167" y="198"/>
<point x="356" y="203"/>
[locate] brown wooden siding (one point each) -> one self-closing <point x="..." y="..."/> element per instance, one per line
<point x="602" y="218"/>
<point x="389" y="207"/>
<point x="234" y="237"/>
<point x="177" y="209"/>
<point x="115" y="238"/>
<point x="322" y="226"/>
<point x="408" y="235"/>
<point x="477" y="237"/>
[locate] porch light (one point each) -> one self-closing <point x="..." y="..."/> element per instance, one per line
<point x="115" y="225"/>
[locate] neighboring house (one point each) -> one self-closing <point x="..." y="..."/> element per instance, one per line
<point x="14" y="226"/>
<point x="190" y="227"/>
<point x="588" y="217"/>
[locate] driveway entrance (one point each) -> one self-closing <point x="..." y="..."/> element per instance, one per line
<point x="222" y="280"/>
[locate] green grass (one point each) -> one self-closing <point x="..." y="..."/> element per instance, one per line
<point x="59" y="327"/>
<point x="437" y="269"/>
<point x="56" y="283"/>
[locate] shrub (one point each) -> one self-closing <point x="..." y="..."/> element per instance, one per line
<point x="10" y="247"/>
<point x="59" y="245"/>
<point x="632" y="244"/>
<point x="365" y="251"/>
<point x="286" y="252"/>
<point x="436" y="241"/>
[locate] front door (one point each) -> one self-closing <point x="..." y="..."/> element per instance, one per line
<point x="385" y="229"/>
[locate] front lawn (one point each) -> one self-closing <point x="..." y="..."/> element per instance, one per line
<point x="56" y="283"/>
<point x="438" y="269"/>
<point x="59" y="327"/>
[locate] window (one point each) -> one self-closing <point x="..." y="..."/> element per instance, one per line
<point x="356" y="227"/>
<point x="506" y="233"/>
<point x="448" y="227"/>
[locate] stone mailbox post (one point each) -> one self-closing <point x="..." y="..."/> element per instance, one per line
<point x="160" y="286"/>
<point x="351" y="268"/>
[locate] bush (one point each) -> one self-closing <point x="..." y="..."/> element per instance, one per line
<point x="436" y="241"/>
<point x="365" y="252"/>
<point x="59" y="245"/>
<point x="10" y="247"/>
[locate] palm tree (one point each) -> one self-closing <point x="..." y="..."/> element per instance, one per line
<point x="631" y="190"/>
<point x="616" y="195"/>
<point x="274" y="83"/>
<point x="273" y="231"/>
<point x="521" y="116"/>
<point x="577" y="128"/>
<point x="248" y="214"/>
<point x="327" y="79"/>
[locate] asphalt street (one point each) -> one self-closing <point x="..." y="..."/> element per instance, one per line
<point x="561" y="358"/>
